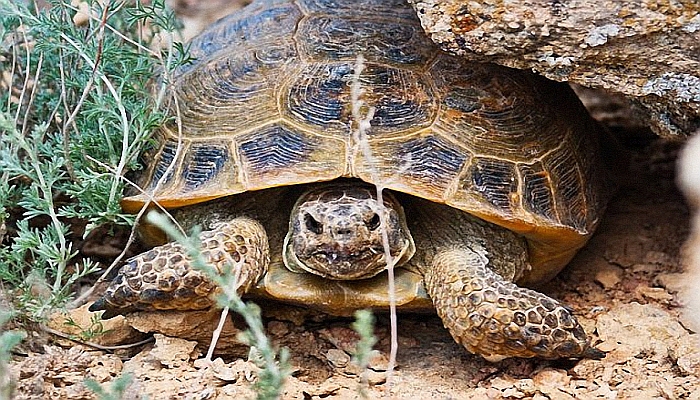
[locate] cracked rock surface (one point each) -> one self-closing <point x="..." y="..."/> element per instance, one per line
<point x="647" y="50"/>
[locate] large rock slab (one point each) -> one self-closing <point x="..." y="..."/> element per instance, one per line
<point x="647" y="50"/>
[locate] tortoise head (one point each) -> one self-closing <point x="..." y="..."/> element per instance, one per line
<point x="335" y="231"/>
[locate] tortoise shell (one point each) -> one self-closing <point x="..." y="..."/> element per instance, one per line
<point x="267" y="102"/>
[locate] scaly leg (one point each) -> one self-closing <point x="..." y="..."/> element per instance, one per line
<point x="163" y="278"/>
<point x="497" y="319"/>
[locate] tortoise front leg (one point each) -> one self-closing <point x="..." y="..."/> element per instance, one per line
<point x="163" y="278"/>
<point x="497" y="319"/>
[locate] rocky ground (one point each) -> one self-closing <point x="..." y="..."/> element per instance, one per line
<point x="623" y="285"/>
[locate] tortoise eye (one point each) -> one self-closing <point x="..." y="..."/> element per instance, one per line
<point x="373" y="222"/>
<point x="313" y="225"/>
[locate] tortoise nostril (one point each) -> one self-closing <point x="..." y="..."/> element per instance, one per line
<point x="343" y="231"/>
<point x="373" y="223"/>
<point x="312" y="224"/>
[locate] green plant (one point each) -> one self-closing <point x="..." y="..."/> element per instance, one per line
<point x="78" y="106"/>
<point x="364" y="326"/>
<point x="115" y="391"/>
<point x="95" y="329"/>
<point x="8" y="340"/>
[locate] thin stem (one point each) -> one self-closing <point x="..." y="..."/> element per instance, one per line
<point x="360" y="137"/>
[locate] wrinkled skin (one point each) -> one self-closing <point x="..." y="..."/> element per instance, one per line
<point x="336" y="233"/>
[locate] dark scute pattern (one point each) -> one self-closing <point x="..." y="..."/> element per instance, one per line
<point x="495" y="180"/>
<point x="334" y="38"/>
<point x="570" y="190"/>
<point x="317" y="98"/>
<point x="225" y="80"/>
<point x="537" y="190"/>
<point x="275" y="148"/>
<point x="463" y="99"/>
<point x="205" y="161"/>
<point x="167" y="155"/>
<point x="400" y="99"/>
<point x="431" y="160"/>
<point x="239" y="28"/>
<point x="150" y="296"/>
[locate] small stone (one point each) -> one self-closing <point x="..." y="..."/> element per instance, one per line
<point x="604" y="392"/>
<point x="341" y="337"/>
<point x="645" y="268"/>
<point x="687" y="355"/>
<point x="172" y="352"/>
<point x="552" y="377"/>
<point x="374" y="377"/>
<point x="232" y="372"/>
<point x="378" y="361"/>
<point x="637" y="329"/>
<point x="513" y="393"/>
<point x="277" y="328"/>
<point x="337" y="358"/>
<point x="608" y="276"/>
<point x="673" y="282"/>
<point x="559" y="395"/>
<point x="109" y="332"/>
<point x="502" y="383"/>
<point x="658" y="257"/>
<point x="327" y="388"/>
<point x="658" y="294"/>
<point x="527" y="386"/>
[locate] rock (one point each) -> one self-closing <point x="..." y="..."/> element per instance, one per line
<point x="84" y="325"/>
<point x="674" y="282"/>
<point x="173" y="352"/>
<point x="191" y="325"/>
<point x="612" y="109"/>
<point x="633" y="329"/>
<point x="341" y="337"/>
<point x="658" y="294"/>
<point x="337" y="358"/>
<point x="687" y="355"/>
<point x="378" y="361"/>
<point x="551" y="382"/>
<point x="608" y="275"/>
<point x="647" y="51"/>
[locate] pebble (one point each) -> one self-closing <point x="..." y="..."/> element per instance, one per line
<point x="172" y="352"/>
<point x="659" y="294"/>
<point x="378" y="361"/>
<point x="337" y="358"/>
<point x="277" y="328"/>
<point x="608" y="276"/>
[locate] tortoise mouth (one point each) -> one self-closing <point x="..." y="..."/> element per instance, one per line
<point x="344" y="265"/>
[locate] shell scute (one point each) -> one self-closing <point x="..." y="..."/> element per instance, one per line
<point x="368" y="8"/>
<point x="204" y="162"/>
<point x="274" y="22"/>
<point x="329" y="38"/>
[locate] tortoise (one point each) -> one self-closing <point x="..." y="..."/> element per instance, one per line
<point x="322" y="142"/>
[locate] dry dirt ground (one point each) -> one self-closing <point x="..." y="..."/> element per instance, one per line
<point x="623" y="285"/>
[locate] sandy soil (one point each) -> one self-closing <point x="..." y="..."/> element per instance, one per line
<point x="623" y="285"/>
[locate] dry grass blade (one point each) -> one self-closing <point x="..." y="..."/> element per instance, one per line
<point x="362" y="115"/>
